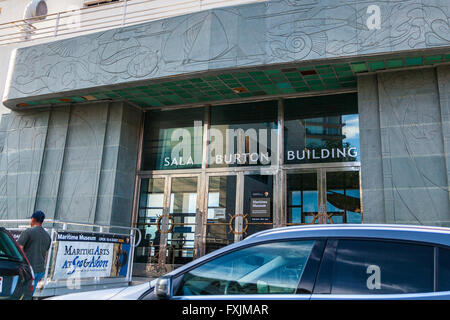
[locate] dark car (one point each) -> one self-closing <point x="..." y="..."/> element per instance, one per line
<point x="16" y="274"/>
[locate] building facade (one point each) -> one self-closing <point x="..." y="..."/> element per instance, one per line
<point x="204" y="128"/>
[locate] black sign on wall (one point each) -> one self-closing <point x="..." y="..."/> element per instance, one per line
<point x="260" y="206"/>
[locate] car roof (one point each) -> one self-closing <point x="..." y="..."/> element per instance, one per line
<point x="430" y="234"/>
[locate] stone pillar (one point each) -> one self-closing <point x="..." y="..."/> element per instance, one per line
<point x="443" y="77"/>
<point x="76" y="163"/>
<point x="370" y="141"/>
<point x="403" y="147"/>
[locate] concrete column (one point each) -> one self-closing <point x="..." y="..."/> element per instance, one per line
<point x="75" y="163"/>
<point x="404" y="146"/>
<point x="371" y="162"/>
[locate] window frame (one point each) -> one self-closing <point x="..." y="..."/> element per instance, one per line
<point x="323" y="282"/>
<point x="437" y="263"/>
<point x="306" y="281"/>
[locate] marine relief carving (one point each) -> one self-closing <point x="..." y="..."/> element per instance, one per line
<point x="277" y="31"/>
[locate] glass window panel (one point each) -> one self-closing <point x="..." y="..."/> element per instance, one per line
<point x="295" y="215"/>
<point x="211" y="213"/>
<point x="8" y="251"/>
<point x="155" y="200"/>
<point x="343" y="197"/>
<point x="183" y="208"/>
<point x="240" y="135"/>
<point x="309" y="219"/>
<point x="151" y="202"/>
<point x="314" y="129"/>
<point x="303" y="197"/>
<point x="322" y="129"/>
<point x="272" y="268"/>
<point x="444" y="270"/>
<point x="152" y="213"/>
<point x="173" y="139"/>
<point x="213" y="199"/>
<point x="221" y="207"/>
<point x="310" y="202"/>
<point x="296" y="199"/>
<point x="376" y="267"/>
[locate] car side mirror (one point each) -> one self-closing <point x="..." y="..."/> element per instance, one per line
<point x="163" y="288"/>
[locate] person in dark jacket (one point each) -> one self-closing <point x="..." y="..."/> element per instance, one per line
<point x="35" y="242"/>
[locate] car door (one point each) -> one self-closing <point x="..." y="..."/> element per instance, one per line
<point x="15" y="276"/>
<point x="276" y="270"/>
<point x="443" y="272"/>
<point x="378" y="269"/>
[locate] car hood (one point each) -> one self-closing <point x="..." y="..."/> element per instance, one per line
<point x="123" y="293"/>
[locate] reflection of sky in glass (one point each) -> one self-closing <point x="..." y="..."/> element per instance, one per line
<point x="296" y="215"/>
<point x="351" y="131"/>
<point x="309" y="219"/>
<point x="353" y="217"/>
<point x="296" y="198"/>
<point x="310" y="203"/>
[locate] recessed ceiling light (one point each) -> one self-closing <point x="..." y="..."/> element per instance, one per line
<point x="239" y="90"/>
<point x="89" y="98"/>
<point x="308" y="72"/>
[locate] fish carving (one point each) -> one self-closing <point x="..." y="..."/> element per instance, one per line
<point x="197" y="40"/>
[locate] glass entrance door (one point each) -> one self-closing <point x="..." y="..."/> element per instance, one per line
<point x="323" y="196"/>
<point x="151" y="209"/>
<point x="168" y="215"/>
<point x="238" y="205"/>
<point x="302" y="198"/>
<point x="343" y="197"/>
<point x="220" y="212"/>
<point x="183" y="214"/>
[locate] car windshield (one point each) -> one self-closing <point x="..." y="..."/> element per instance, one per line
<point x="8" y="249"/>
<point x="272" y="268"/>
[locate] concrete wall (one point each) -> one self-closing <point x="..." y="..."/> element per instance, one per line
<point x="76" y="163"/>
<point x="81" y="22"/>
<point x="277" y="31"/>
<point x="405" y="143"/>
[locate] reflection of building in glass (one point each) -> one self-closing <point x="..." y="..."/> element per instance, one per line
<point x="321" y="129"/>
<point x="321" y="132"/>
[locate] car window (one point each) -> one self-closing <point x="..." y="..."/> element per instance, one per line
<point x="381" y="267"/>
<point x="271" y="268"/>
<point x="444" y="270"/>
<point x="8" y="250"/>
